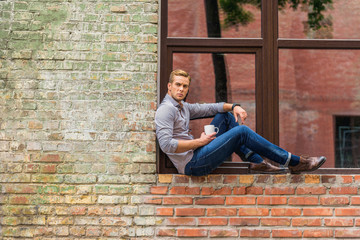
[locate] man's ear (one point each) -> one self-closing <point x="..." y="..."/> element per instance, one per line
<point x="169" y="85"/>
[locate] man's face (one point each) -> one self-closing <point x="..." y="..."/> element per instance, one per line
<point x="179" y="88"/>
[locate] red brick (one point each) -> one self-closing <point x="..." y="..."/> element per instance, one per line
<point x="221" y="211"/>
<point x="164" y="211"/>
<point x="347" y="233"/>
<point x="259" y="233"/>
<point x="357" y="222"/>
<point x="317" y="212"/>
<point x="328" y="179"/>
<point x="210" y="201"/>
<point x="198" y="179"/>
<point x="20" y="200"/>
<point x="181" y="179"/>
<point x="223" y="233"/>
<point x="213" y="221"/>
<point x="230" y="179"/>
<point x="78" y="210"/>
<point x="212" y="191"/>
<point x="346" y="179"/>
<point x="48" y="168"/>
<point x="166" y="232"/>
<point x="275" y="221"/>
<point x="253" y="212"/>
<point x="303" y="201"/>
<point x="185" y="190"/>
<point x="254" y="190"/>
<point x="192" y="232"/>
<point x="339" y="222"/>
<point x="190" y="211"/>
<point x="347" y="212"/>
<point x="263" y="179"/>
<point x="272" y="200"/>
<point x="181" y="221"/>
<point x="239" y="190"/>
<point x="20" y="188"/>
<point x="159" y="190"/>
<point x="50" y="158"/>
<point x="279" y="191"/>
<point x="178" y="200"/>
<point x="280" y="179"/>
<point x="153" y="200"/>
<point x="318" y="233"/>
<point x="301" y="222"/>
<point x="357" y="179"/>
<point x="296" y="179"/>
<point x="334" y="201"/>
<point x="343" y="190"/>
<point x="214" y="178"/>
<point x="285" y="212"/>
<point x="288" y="233"/>
<point x="311" y="190"/>
<point x="355" y="200"/>
<point x="244" y="221"/>
<point x="240" y="200"/>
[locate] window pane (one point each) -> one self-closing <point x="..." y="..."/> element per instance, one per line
<point x="316" y="86"/>
<point x="187" y="18"/>
<point x="347" y="141"/>
<point x="339" y="20"/>
<point x="240" y="82"/>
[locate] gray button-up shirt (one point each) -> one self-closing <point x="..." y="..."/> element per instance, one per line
<point x="172" y="124"/>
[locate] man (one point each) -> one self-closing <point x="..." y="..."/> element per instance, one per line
<point x="203" y="155"/>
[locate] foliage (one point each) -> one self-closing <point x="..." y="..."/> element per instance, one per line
<point x="236" y="14"/>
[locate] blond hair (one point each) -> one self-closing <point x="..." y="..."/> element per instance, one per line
<point x="178" y="72"/>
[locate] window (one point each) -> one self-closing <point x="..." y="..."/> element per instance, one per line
<point x="347" y="141"/>
<point x="291" y="67"/>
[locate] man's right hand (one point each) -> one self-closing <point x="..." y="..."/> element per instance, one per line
<point x="206" y="139"/>
<point x="186" y="145"/>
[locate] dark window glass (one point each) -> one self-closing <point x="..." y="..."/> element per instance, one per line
<point x="347" y="141"/>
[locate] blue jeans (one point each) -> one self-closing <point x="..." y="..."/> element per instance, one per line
<point x="235" y="138"/>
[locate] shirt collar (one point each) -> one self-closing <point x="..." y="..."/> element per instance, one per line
<point x="173" y="101"/>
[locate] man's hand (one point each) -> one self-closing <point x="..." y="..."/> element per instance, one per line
<point x="186" y="145"/>
<point x="239" y="112"/>
<point x="206" y="139"/>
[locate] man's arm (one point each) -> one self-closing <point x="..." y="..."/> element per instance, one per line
<point x="239" y="112"/>
<point x="186" y="145"/>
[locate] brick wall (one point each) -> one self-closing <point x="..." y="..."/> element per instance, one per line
<point x="77" y="143"/>
<point x="257" y="206"/>
<point x="77" y="103"/>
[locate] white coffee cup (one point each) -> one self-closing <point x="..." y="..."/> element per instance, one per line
<point x="209" y="129"/>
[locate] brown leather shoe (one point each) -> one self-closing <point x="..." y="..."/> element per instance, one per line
<point x="265" y="167"/>
<point x="307" y="164"/>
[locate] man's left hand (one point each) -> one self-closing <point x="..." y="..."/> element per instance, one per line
<point x="239" y="112"/>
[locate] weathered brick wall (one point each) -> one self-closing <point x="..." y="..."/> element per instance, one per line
<point x="77" y="102"/>
<point x="257" y="206"/>
<point x="77" y="144"/>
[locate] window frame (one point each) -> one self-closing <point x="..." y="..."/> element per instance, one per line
<point x="266" y="50"/>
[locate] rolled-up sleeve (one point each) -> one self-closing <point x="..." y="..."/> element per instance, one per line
<point x="205" y="109"/>
<point x="164" y="121"/>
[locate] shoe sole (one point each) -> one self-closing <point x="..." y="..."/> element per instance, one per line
<point x="323" y="160"/>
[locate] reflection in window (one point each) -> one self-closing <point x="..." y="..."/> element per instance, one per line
<point x="314" y="86"/>
<point x="211" y="18"/>
<point x="347" y="141"/>
<point x="327" y="19"/>
<point x="239" y="83"/>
